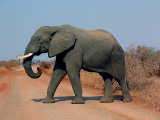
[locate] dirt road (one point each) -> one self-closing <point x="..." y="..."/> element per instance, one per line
<point x="17" y="92"/>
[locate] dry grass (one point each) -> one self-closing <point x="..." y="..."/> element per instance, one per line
<point x="143" y="71"/>
<point x="10" y="65"/>
<point x="46" y="67"/>
<point x="142" y="62"/>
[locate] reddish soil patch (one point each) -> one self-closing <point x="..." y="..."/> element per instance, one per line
<point x="3" y="87"/>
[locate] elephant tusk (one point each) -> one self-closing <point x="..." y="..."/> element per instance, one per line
<point x="25" y="56"/>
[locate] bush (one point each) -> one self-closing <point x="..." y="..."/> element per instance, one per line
<point x="9" y="64"/>
<point x="45" y="65"/>
<point x="143" y="70"/>
<point x="141" y="62"/>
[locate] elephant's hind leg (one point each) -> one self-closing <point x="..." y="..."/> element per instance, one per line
<point x="125" y="90"/>
<point x="108" y="97"/>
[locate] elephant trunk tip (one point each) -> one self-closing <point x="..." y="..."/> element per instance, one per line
<point x="35" y="75"/>
<point x="38" y="74"/>
<point x="28" y="69"/>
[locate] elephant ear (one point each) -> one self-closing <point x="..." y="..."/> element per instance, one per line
<point x="61" y="42"/>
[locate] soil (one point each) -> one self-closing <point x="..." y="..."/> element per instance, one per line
<point x="18" y="92"/>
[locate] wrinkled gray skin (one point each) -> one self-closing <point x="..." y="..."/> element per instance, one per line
<point x="76" y="49"/>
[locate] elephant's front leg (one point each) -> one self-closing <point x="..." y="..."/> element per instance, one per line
<point x="57" y="76"/>
<point x="74" y="76"/>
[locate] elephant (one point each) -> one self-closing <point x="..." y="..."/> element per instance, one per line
<point x="75" y="49"/>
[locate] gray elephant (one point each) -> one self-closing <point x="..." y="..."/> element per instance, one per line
<point x="76" y="49"/>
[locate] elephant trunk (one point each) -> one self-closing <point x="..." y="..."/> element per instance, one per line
<point x="28" y="68"/>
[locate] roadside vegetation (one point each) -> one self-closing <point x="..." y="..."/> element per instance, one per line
<point x="143" y="73"/>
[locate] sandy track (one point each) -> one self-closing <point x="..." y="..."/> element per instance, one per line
<point x="17" y="104"/>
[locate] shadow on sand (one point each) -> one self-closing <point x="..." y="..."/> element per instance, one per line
<point x="66" y="98"/>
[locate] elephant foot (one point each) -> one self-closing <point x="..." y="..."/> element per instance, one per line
<point x="106" y="100"/>
<point x="48" y="100"/>
<point x="78" y="101"/>
<point x="127" y="98"/>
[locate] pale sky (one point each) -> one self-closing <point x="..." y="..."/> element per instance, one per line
<point x="132" y="22"/>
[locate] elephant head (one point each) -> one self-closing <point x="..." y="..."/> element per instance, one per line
<point x="51" y="39"/>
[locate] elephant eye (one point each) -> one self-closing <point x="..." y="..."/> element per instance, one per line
<point x="50" y="39"/>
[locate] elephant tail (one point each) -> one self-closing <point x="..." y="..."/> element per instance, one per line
<point x="118" y="63"/>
